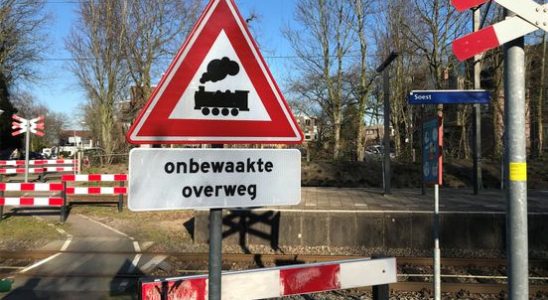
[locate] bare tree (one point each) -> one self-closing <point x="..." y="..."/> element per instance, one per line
<point x="361" y="9"/>
<point x="97" y="46"/>
<point x="21" y="43"/>
<point x="21" y="38"/>
<point x="407" y="71"/>
<point x="321" y="48"/>
<point x="435" y="26"/>
<point x="153" y="30"/>
<point x="536" y="57"/>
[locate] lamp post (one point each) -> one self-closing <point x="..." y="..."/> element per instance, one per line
<point x="383" y="68"/>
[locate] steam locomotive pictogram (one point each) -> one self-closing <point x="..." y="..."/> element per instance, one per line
<point x="218" y="102"/>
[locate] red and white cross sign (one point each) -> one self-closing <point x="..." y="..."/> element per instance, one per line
<point x="531" y="16"/>
<point x="22" y="125"/>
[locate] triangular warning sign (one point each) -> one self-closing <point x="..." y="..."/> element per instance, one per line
<point x="217" y="90"/>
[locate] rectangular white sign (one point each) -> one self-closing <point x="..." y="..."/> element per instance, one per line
<point x="169" y="179"/>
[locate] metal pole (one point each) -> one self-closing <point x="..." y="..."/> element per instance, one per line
<point x="387" y="170"/>
<point x="516" y="164"/>
<point x="27" y="146"/>
<point x="1" y="207"/>
<point x="386" y="86"/>
<point x="477" y="112"/>
<point x="437" y="253"/>
<point x="121" y="198"/>
<point x="215" y="250"/>
<point x="381" y="292"/>
<point x="64" y="207"/>
<point x="78" y="160"/>
<point x="423" y="189"/>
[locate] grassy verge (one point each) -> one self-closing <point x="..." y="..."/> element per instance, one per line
<point x="26" y="233"/>
<point x="165" y="229"/>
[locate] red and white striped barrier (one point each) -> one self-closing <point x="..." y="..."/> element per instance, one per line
<point x="95" y="177"/>
<point x="31" y="187"/>
<point x="31" y="201"/>
<point x="117" y="190"/>
<point x="278" y="282"/>
<point x="34" y="201"/>
<point x="530" y="16"/>
<point x="60" y="169"/>
<point x="38" y="162"/>
<point x="22" y="171"/>
<point x="491" y="37"/>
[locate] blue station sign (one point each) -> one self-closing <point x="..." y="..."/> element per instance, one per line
<point x="449" y="97"/>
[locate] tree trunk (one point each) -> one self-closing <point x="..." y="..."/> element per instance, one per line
<point x="536" y="108"/>
<point x="337" y="135"/>
<point x="362" y="87"/>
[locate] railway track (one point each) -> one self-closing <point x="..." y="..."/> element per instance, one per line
<point x="195" y="263"/>
<point x="273" y="258"/>
<point x="472" y="288"/>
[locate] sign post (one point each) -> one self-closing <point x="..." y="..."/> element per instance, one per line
<point x="477" y="176"/>
<point x="218" y="90"/>
<point x="522" y="18"/>
<point x="516" y="191"/>
<point x="21" y="125"/>
<point x="433" y="173"/>
<point x="387" y="172"/>
<point x="215" y="266"/>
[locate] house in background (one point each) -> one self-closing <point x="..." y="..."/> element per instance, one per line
<point x="308" y="126"/>
<point x="72" y="141"/>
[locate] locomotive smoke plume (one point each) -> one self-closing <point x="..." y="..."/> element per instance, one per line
<point x="219" y="69"/>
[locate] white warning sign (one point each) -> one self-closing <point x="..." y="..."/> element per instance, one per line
<point x="169" y="179"/>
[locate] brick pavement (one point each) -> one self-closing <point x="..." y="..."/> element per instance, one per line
<point x="370" y="199"/>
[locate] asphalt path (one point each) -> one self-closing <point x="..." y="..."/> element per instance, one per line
<point x="93" y="272"/>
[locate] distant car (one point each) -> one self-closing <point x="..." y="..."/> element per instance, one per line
<point x="5" y="154"/>
<point x="46" y="152"/>
<point x="36" y="155"/>
<point x="374" y="150"/>
<point x="377" y="150"/>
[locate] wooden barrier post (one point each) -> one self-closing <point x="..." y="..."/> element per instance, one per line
<point x="1" y="207"/>
<point x="64" y="207"/>
<point x="120" y="199"/>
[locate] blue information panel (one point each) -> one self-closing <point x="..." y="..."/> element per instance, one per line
<point x="431" y="155"/>
<point x="449" y="97"/>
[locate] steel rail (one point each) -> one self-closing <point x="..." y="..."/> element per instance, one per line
<point x="473" y="288"/>
<point x="301" y="258"/>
